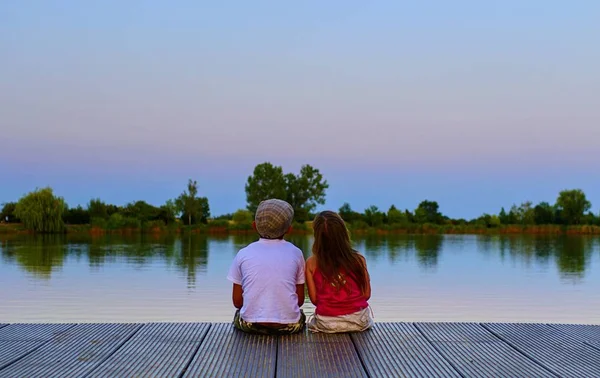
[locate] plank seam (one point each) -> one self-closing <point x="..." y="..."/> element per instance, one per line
<point x="276" y="355"/>
<point x="438" y="350"/>
<point x="519" y="350"/>
<point x="360" y="357"/>
<point x="579" y="338"/>
<point x="187" y="365"/>
<point x="36" y="348"/>
<point x="114" y="351"/>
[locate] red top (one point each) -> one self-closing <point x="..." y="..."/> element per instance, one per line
<point x="334" y="301"/>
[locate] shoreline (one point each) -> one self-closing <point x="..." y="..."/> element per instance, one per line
<point x="426" y="229"/>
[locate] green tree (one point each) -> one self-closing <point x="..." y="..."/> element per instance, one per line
<point x="305" y="191"/>
<point x="428" y="212"/>
<point x="189" y="205"/>
<point x="267" y="181"/>
<point x="346" y="212"/>
<point x="142" y="211"/>
<point x="373" y="216"/>
<point x="97" y="209"/>
<point x="8" y="213"/>
<point x="572" y="204"/>
<point x="513" y="215"/>
<point x="503" y="217"/>
<point x="76" y="215"/>
<point x="526" y="214"/>
<point x="543" y="213"/>
<point x="395" y="216"/>
<point x="168" y="212"/>
<point x="41" y="211"/>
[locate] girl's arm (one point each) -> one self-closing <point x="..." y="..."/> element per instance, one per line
<point x="310" y="282"/>
<point x="367" y="292"/>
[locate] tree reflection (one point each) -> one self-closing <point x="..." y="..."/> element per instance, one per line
<point x="191" y="254"/>
<point x="398" y="245"/>
<point x="572" y="256"/>
<point x="38" y="255"/>
<point x="428" y="249"/>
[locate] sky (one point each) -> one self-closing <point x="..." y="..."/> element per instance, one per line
<point x="474" y="104"/>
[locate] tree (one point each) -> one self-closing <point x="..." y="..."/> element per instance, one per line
<point x="99" y="209"/>
<point x="142" y="211"/>
<point x="572" y="204"/>
<point x="525" y="213"/>
<point x="427" y="212"/>
<point x="76" y="215"/>
<point x="373" y="216"/>
<point x="503" y="217"/>
<point x="168" y="212"/>
<point x="8" y="213"/>
<point x="395" y="216"/>
<point x="267" y="181"/>
<point x="513" y="215"/>
<point x="543" y="213"/>
<point x="41" y="211"/>
<point x="192" y="207"/>
<point x="305" y="191"/>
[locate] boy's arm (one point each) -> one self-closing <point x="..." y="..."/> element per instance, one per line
<point x="300" y="292"/>
<point x="310" y="282"/>
<point x="235" y="276"/>
<point x="237" y="296"/>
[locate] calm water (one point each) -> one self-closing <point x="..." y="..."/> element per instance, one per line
<point x="451" y="278"/>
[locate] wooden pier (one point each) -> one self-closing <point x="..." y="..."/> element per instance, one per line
<point x="218" y="350"/>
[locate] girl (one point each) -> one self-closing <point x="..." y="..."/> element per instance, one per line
<point x="337" y="279"/>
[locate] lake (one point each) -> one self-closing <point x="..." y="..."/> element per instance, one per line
<point x="414" y="278"/>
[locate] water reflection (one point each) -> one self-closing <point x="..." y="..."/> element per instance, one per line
<point x="428" y="249"/>
<point x="41" y="256"/>
<point x="191" y="255"/>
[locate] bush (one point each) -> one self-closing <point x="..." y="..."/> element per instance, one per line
<point x="149" y="225"/>
<point x="118" y="221"/>
<point x="218" y="224"/>
<point x="242" y="216"/>
<point x="299" y="226"/>
<point x="359" y="225"/>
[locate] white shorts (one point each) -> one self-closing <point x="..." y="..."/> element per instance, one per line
<point x="355" y="322"/>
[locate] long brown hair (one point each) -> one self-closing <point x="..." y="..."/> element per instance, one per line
<point x="333" y="250"/>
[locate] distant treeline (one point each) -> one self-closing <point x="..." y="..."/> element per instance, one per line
<point x="44" y="212"/>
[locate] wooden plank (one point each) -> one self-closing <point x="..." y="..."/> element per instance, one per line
<point x="72" y="353"/>
<point x="400" y="350"/>
<point x="18" y="340"/>
<point x="590" y="334"/>
<point x="227" y="352"/>
<point x="156" y="350"/>
<point x="3" y="325"/>
<point x="558" y="352"/>
<point x="475" y="352"/>
<point x="318" y="355"/>
<point x="32" y="332"/>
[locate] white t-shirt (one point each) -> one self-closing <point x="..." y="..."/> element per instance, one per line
<point x="268" y="271"/>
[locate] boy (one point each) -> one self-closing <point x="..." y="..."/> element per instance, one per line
<point x="268" y="275"/>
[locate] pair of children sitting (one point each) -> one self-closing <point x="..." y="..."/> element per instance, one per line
<point x="269" y="276"/>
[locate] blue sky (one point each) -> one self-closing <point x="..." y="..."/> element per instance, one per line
<point x="474" y="104"/>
